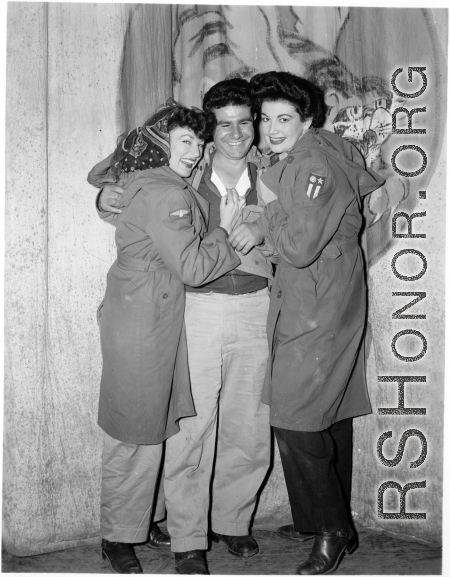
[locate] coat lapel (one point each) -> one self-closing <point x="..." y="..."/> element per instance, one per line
<point x="202" y="203"/>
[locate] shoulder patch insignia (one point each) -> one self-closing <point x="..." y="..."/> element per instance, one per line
<point x="314" y="185"/>
<point x="181" y="213"/>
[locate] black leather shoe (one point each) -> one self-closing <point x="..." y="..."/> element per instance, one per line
<point x="327" y="551"/>
<point x="157" y="539"/>
<point x="121" y="557"/>
<point x="240" y="545"/>
<point x="191" y="563"/>
<point x="288" y="532"/>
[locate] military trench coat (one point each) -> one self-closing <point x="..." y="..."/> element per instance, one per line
<point x="316" y="372"/>
<point x="145" y="386"/>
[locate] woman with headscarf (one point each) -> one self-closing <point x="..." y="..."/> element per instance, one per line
<point x="145" y="386"/>
<point x="315" y="382"/>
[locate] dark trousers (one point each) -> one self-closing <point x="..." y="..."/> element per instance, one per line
<point x="318" y="471"/>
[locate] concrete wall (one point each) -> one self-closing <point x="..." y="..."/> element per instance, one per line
<point x="63" y="114"/>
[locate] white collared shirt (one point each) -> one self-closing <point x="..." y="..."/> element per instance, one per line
<point x="241" y="187"/>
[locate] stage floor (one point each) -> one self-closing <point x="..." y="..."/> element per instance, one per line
<point x="378" y="554"/>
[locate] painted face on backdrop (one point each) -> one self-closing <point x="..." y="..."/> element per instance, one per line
<point x="234" y="131"/>
<point x="185" y="150"/>
<point x="282" y="125"/>
<point x="217" y="42"/>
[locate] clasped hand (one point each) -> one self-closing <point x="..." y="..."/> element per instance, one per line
<point x="245" y="236"/>
<point x="230" y="209"/>
<point x="109" y="199"/>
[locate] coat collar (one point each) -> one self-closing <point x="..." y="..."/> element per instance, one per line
<point x="305" y="141"/>
<point x="166" y="175"/>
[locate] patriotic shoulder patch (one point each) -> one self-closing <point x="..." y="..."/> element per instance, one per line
<point x="314" y="185"/>
<point x="181" y="213"/>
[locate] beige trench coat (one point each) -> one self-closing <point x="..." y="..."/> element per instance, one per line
<point x="316" y="373"/>
<point x="145" y="385"/>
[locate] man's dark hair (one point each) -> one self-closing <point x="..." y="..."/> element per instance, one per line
<point x="232" y="92"/>
<point x="192" y="118"/>
<point x="305" y="97"/>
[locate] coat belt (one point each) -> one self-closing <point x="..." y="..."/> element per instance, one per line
<point x="129" y="263"/>
<point x="336" y="248"/>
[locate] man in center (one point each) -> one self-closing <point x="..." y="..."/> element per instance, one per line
<point x="227" y="350"/>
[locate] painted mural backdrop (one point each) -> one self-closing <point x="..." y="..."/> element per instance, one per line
<point x="351" y="53"/>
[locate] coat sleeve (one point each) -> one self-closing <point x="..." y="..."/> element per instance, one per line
<point x="169" y="221"/>
<point x="317" y="209"/>
<point x="101" y="174"/>
<point x="109" y="217"/>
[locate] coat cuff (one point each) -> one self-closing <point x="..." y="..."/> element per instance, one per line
<point x="97" y="202"/>
<point x="225" y="231"/>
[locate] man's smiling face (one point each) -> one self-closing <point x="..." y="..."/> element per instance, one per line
<point x="234" y="132"/>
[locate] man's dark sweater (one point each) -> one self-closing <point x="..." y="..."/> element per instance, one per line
<point x="235" y="282"/>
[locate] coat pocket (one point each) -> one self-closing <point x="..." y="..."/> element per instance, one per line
<point x="331" y="251"/>
<point x="163" y="291"/>
<point x="305" y="285"/>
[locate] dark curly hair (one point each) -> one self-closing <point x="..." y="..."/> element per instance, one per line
<point x="231" y="92"/>
<point x="305" y="97"/>
<point x="192" y="118"/>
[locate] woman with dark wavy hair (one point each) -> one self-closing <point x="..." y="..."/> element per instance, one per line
<point x="315" y="382"/>
<point x="145" y="386"/>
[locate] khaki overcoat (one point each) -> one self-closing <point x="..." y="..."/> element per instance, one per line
<point x="145" y="386"/>
<point x="316" y="372"/>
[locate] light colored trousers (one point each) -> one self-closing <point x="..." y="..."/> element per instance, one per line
<point x="227" y="348"/>
<point x="129" y="477"/>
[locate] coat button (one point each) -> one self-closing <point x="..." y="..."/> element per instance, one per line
<point x="289" y="159"/>
<point x="165" y="296"/>
<point x="279" y="294"/>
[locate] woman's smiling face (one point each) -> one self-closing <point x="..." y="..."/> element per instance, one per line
<point x="185" y="150"/>
<point x="281" y="125"/>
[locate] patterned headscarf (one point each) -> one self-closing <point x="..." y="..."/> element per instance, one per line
<point x="146" y="146"/>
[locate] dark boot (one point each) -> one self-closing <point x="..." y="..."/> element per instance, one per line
<point x="327" y="551"/>
<point x="121" y="557"/>
<point x="239" y="545"/>
<point x="191" y="563"/>
<point x="289" y="532"/>
<point x="157" y="539"/>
